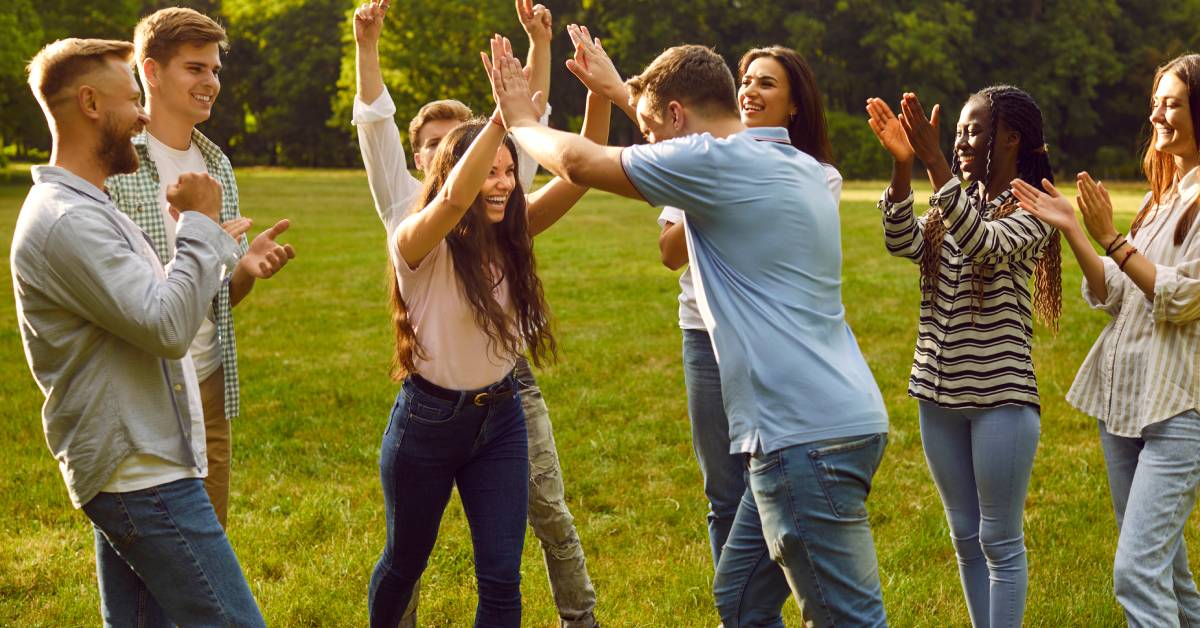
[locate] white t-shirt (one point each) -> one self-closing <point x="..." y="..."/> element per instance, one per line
<point x="689" y="310"/>
<point x="205" y="350"/>
<point x="460" y="355"/>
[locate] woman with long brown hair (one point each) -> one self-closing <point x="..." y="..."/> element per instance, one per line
<point x="972" y="372"/>
<point x="466" y="303"/>
<point x="1140" y="378"/>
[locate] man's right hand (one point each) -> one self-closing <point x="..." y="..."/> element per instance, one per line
<point x="592" y="66"/>
<point x="368" y="21"/>
<point x="198" y="192"/>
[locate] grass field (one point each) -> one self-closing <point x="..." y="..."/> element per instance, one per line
<point x="306" y="516"/>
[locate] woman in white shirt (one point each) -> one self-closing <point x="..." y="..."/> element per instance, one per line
<point x="1140" y="378"/>
<point x="466" y="303"/>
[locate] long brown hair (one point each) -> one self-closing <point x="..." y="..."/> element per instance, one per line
<point x="1160" y="167"/>
<point x="484" y="254"/>
<point x="1020" y="113"/>
<point x="808" y="129"/>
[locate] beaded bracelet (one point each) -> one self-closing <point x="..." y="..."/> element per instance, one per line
<point x="1110" y="249"/>
<point x="1132" y="251"/>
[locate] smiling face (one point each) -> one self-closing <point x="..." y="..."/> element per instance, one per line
<point x="764" y="96"/>
<point x="188" y="84"/>
<point x="121" y="117"/>
<point x="972" y="137"/>
<point x="1171" y="117"/>
<point x="500" y="182"/>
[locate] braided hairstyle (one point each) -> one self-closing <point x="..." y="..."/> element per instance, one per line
<point x="1021" y="114"/>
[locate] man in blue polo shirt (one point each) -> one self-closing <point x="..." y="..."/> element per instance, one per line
<point x="764" y="235"/>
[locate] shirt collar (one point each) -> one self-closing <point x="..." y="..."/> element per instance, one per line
<point x="55" y="174"/>
<point x="776" y="134"/>
<point x="1189" y="184"/>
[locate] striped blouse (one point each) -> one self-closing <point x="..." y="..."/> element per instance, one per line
<point x="1145" y="366"/>
<point x="971" y="352"/>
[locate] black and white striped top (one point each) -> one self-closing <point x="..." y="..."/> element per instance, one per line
<point x="972" y="353"/>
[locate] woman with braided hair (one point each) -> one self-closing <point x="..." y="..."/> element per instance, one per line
<point x="1140" y="378"/>
<point x="972" y="371"/>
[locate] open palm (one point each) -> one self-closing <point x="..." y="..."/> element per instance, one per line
<point x="888" y="128"/>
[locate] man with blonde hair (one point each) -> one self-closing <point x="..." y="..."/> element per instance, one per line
<point x="178" y="55"/>
<point x="106" y="331"/>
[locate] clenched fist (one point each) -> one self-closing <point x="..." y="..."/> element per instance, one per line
<point x="197" y="192"/>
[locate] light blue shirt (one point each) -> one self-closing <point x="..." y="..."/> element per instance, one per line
<point x="105" y="327"/>
<point x="765" y="238"/>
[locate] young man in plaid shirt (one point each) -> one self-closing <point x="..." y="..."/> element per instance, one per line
<point x="178" y="56"/>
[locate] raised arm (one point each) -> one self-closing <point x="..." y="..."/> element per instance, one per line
<point x="556" y="198"/>
<point x="420" y="232"/>
<point x="392" y="186"/>
<point x="538" y="25"/>
<point x="577" y="159"/>
<point x="902" y="231"/>
<point x="922" y="133"/>
<point x="595" y="69"/>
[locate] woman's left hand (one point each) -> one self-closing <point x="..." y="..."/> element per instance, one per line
<point x="1096" y="207"/>
<point x="922" y="131"/>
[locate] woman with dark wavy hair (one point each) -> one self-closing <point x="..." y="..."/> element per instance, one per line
<point x="1140" y="379"/>
<point x="466" y="303"/>
<point x="972" y="371"/>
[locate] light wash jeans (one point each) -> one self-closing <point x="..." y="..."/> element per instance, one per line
<point x="805" y="510"/>
<point x="1153" y="482"/>
<point x="169" y="534"/>
<point x="723" y="472"/>
<point x="981" y="460"/>
<point x="549" y="516"/>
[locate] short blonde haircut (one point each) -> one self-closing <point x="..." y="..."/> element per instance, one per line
<point x="695" y="76"/>
<point x="159" y="35"/>
<point x="59" y="66"/>
<point x="434" y="111"/>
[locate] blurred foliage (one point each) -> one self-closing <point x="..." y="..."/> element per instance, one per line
<point x="288" y="82"/>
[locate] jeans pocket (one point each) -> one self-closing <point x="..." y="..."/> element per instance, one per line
<point x="110" y="513"/>
<point x="429" y="410"/>
<point x="844" y="469"/>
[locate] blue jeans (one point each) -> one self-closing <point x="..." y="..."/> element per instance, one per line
<point x="722" y="471"/>
<point x="432" y="444"/>
<point x="169" y="534"/>
<point x="805" y="510"/>
<point x="1153" y="482"/>
<point x="981" y="460"/>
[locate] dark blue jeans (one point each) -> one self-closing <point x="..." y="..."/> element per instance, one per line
<point x="162" y="559"/>
<point x="432" y="444"/>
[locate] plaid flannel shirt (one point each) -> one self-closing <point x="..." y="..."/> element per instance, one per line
<point x="137" y="195"/>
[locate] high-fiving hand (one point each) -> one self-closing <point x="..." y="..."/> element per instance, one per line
<point x="510" y="87"/>
<point x="536" y="20"/>
<point x="593" y="66"/>
<point x="368" y="21"/>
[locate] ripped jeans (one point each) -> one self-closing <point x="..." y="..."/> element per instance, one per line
<point x="548" y="514"/>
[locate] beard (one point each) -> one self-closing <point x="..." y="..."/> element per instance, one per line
<point x="116" y="151"/>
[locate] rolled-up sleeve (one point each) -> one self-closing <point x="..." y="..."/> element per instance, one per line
<point x="1177" y="293"/>
<point x="393" y="187"/>
<point x="1114" y="286"/>
<point x="99" y="277"/>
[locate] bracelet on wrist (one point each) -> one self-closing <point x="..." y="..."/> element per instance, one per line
<point x="1132" y="251"/>
<point x="1115" y="244"/>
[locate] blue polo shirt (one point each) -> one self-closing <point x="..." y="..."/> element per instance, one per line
<point x="765" y="239"/>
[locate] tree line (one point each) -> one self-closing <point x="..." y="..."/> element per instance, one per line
<point x="288" y="81"/>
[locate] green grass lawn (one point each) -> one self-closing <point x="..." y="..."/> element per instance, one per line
<point x="306" y="513"/>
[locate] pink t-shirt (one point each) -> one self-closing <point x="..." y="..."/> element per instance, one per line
<point x="460" y="355"/>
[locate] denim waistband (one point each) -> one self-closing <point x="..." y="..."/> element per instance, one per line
<point x="499" y="390"/>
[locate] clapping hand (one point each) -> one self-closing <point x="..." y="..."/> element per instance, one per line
<point x="889" y="130"/>
<point x="1050" y="207"/>
<point x="265" y="257"/>
<point x="922" y="131"/>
